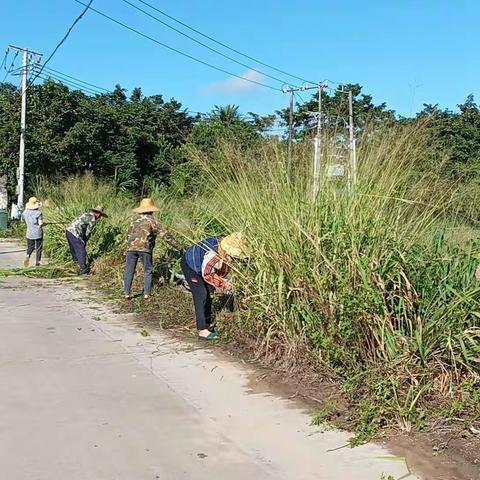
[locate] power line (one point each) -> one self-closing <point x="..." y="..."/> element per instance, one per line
<point x="223" y="44"/>
<point x="11" y="66"/>
<point x="4" y="61"/>
<point x="191" y="57"/>
<point x="282" y="81"/>
<point x="70" y="83"/>
<point x="62" y="41"/>
<point x="299" y="97"/>
<point x="76" y="79"/>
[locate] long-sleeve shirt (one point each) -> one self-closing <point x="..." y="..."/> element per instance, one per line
<point x="214" y="271"/>
<point x="34" y="221"/>
<point x="83" y="226"/>
<point x="143" y="232"/>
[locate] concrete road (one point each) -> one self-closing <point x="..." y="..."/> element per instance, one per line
<point x="85" y="396"/>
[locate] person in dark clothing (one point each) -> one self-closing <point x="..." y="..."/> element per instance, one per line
<point x="78" y="233"/>
<point x="205" y="266"/>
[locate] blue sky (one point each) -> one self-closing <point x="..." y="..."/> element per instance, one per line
<point x="403" y="52"/>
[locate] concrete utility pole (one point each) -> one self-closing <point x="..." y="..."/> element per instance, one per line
<point x="317" y="156"/>
<point x="353" y="151"/>
<point x="291" y="91"/>
<point x="27" y="55"/>
<point x="290" y="136"/>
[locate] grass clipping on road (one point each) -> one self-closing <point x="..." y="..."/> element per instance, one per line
<point x="371" y="286"/>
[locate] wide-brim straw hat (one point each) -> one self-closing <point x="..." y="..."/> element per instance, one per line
<point x="99" y="209"/>
<point x="234" y="246"/>
<point x="146" y="206"/>
<point x="33" y="203"/>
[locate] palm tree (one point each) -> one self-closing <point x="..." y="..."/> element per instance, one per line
<point x="227" y="114"/>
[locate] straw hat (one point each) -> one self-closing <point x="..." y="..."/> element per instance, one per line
<point x="99" y="209"/>
<point x="33" y="203"/>
<point x="146" y="206"/>
<point x="234" y="246"/>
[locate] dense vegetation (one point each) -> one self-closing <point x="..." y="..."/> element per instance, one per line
<point x="372" y="286"/>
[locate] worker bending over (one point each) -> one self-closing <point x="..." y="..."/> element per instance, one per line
<point x="206" y="266"/>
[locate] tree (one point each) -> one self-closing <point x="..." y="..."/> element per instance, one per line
<point x="115" y="137"/>
<point x="455" y="137"/>
<point x="227" y="115"/>
<point x="335" y="112"/>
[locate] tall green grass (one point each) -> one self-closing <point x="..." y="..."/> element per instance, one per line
<point x="372" y="284"/>
<point x="367" y="280"/>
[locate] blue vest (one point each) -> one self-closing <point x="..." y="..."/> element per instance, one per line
<point x="195" y="254"/>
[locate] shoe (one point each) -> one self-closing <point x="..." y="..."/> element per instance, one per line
<point x="210" y="336"/>
<point x="38" y="264"/>
<point x="26" y="262"/>
<point x="146" y="297"/>
<point x="128" y="298"/>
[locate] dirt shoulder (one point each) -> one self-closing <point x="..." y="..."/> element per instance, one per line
<point x="444" y="450"/>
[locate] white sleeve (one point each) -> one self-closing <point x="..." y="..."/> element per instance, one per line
<point x="206" y="259"/>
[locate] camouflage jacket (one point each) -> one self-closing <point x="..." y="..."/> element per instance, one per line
<point x="143" y="232"/>
<point x="83" y="226"/>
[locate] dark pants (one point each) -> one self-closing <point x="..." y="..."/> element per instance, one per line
<point x="131" y="265"/>
<point x="36" y="245"/>
<point x="202" y="296"/>
<point x="78" y="249"/>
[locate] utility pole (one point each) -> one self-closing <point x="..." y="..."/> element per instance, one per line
<point x="317" y="156"/>
<point x="290" y="136"/>
<point x="291" y="91"/>
<point x="27" y="56"/>
<point x="353" y="152"/>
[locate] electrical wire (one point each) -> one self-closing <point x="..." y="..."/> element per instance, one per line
<point x="4" y="61"/>
<point x="62" y="41"/>
<point x="299" y="96"/>
<point x="282" y="81"/>
<point x="11" y="66"/>
<point x="238" y="52"/>
<point x="52" y="70"/>
<point x="70" y="83"/>
<point x="191" y="57"/>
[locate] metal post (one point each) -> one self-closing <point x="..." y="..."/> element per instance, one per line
<point x="23" y="127"/>
<point x="353" y="152"/>
<point x="317" y="158"/>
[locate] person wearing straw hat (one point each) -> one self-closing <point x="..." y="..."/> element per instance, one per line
<point x="78" y="233"/>
<point x="141" y="237"/>
<point x="32" y="216"/>
<point x="206" y="266"/>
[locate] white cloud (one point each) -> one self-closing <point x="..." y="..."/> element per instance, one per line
<point x="236" y="85"/>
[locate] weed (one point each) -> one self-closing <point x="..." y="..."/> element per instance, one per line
<point x="384" y="476"/>
<point x="324" y="412"/>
